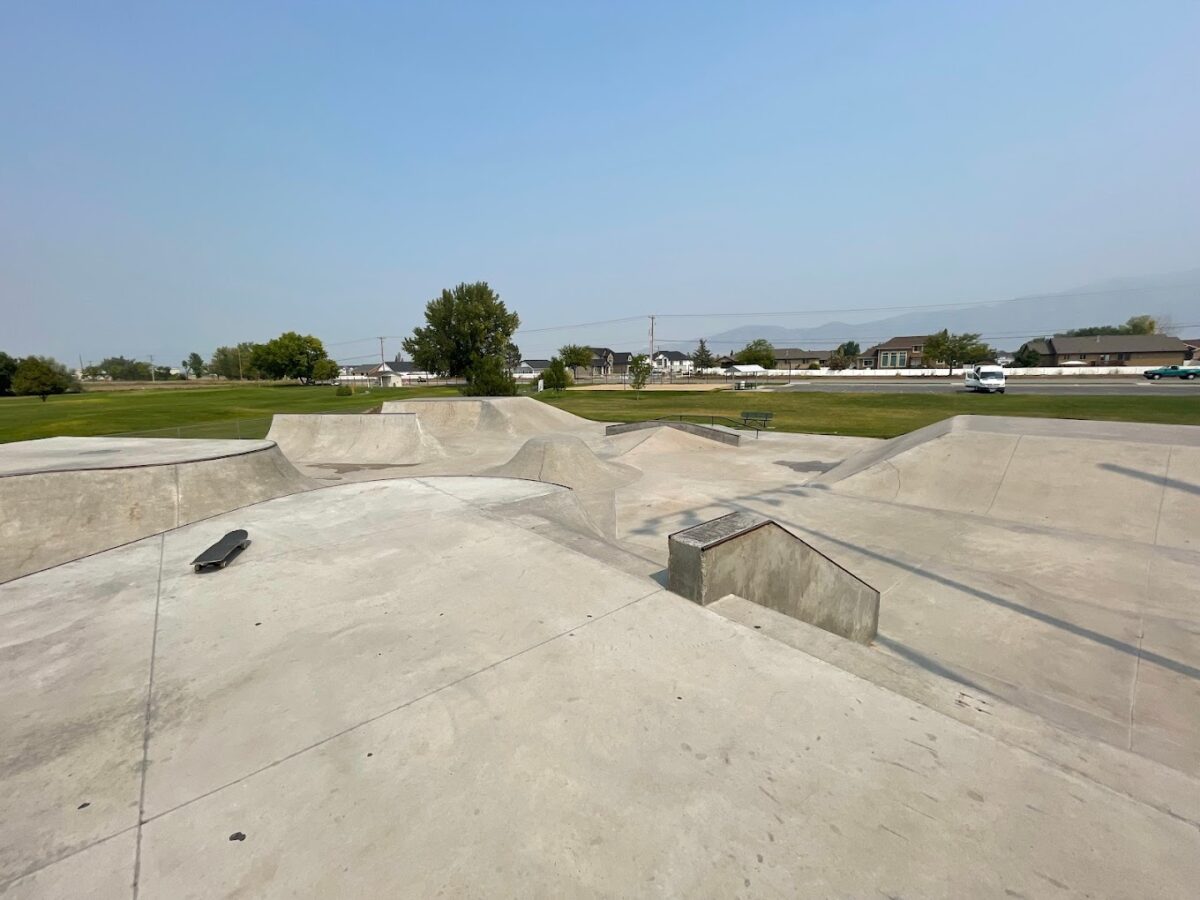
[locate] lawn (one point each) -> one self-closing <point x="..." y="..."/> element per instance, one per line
<point x="208" y="412"/>
<point x="870" y="414"/>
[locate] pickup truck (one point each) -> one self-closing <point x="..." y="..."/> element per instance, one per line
<point x="1188" y="372"/>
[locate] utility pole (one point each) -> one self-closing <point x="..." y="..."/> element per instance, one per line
<point x="652" y="318"/>
<point x="152" y="378"/>
<point x="382" y="361"/>
<point x="239" y="350"/>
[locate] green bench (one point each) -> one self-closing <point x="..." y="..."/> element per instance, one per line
<point x="757" y="419"/>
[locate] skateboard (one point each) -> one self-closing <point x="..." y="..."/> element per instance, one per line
<point x="220" y="553"/>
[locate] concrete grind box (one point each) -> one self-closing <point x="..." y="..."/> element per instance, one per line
<point x="759" y="560"/>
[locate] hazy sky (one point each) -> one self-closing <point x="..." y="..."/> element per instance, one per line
<point x="177" y="176"/>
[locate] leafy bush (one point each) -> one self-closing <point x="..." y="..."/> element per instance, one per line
<point x="489" y="378"/>
<point x="814" y="365"/>
<point x="343" y="390"/>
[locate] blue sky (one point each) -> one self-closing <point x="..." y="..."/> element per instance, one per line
<point x="177" y="176"/>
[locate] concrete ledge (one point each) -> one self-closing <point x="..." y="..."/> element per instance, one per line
<point x="753" y="557"/>
<point x="704" y="431"/>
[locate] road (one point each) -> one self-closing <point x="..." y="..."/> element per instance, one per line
<point x="1065" y="387"/>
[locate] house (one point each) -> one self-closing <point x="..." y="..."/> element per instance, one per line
<point x="1111" y="350"/>
<point x="620" y="365"/>
<point x="672" y="361"/>
<point x="531" y="367"/>
<point x="792" y="358"/>
<point x="724" y="362"/>
<point x="897" y="353"/>
<point x="1193" y="347"/>
<point x="602" y="361"/>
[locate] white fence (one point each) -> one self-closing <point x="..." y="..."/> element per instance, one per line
<point x="958" y="371"/>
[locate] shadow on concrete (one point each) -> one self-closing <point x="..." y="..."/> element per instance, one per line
<point x="1175" y="483"/>
<point x="928" y="664"/>
<point x="1087" y="633"/>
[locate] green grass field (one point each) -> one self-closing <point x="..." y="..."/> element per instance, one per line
<point x="227" y="412"/>
<point x="210" y="412"/>
<point x="871" y="415"/>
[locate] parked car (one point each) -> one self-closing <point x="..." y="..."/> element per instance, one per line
<point x="985" y="378"/>
<point x="1188" y="372"/>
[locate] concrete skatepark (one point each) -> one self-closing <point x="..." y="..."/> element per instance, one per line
<point x="449" y="662"/>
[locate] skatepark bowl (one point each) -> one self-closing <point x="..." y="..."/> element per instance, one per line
<point x="964" y="662"/>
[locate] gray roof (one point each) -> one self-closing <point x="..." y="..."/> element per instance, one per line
<point x="536" y="363"/>
<point x="671" y="355"/>
<point x="797" y="353"/>
<point x="1119" y="343"/>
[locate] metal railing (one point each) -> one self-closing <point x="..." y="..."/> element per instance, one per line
<point x="712" y="421"/>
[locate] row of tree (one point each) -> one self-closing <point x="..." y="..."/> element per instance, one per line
<point x="291" y="356"/>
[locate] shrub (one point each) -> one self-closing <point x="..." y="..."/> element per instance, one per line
<point x="343" y="390"/>
<point x="814" y="365"/>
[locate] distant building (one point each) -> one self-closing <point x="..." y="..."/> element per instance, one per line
<point x="672" y="361"/>
<point x="897" y="353"/>
<point x="531" y="367"/>
<point x="1193" y="347"/>
<point x="602" y="360"/>
<point x="1111" y="350"/>
<point x="620" y="364"/>
<point x="792" y="358"/>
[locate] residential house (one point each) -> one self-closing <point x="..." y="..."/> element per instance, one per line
<point x="620" y="365"/>
<point x="724" y="362"/>
<point x="602" y="361"/>
<point x="897" y="353"/>
<point x="1111" y="350"/>
<point x="672" y="362"/>
<point x="793" y="358"/>
<point x="531" y="367"/>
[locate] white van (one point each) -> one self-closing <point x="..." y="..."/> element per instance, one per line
<point x="985" y="378"/>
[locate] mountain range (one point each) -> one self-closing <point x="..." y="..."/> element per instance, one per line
<point x="1174" y="300"/>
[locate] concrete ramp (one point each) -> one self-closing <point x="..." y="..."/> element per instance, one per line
<point x="1107" y="478"/>
<point x="566" y="460"/>
<point x="392" y="440"/>
<point x="450" y="418"/>
<point x="65" y="498"/>
<point x="752" y="557"/>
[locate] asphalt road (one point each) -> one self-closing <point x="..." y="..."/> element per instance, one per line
<point x="1064" y="387"/>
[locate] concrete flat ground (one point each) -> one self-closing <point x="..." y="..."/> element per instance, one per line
<point x="418" y="682"/>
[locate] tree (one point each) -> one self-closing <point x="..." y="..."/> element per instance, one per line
<point x="759" y="352"/>
<point x="639" y="370"/>
<point x="849" y="349"/>
<point x="703" y="358"/>
<point x="575" y="357"/>
<point x="325" y="370"/>
<point x="490" y="378"/>
<point x="838" y="360"/>
<point x="463" y="327"/>
<point x="118" y="368"/>
<point x="290" y="355"/>
<point x="555" y="376"/>
<point x="195" y="364"/>
<point x="41" y="376"/>
<point x="235" y="363"/>
<point x="8" y="365"/>
<point x="1027" y="356"/>
<point x="1133" y="325"/>
<point x="512" y="356"/>
<point x="955" y="349"/>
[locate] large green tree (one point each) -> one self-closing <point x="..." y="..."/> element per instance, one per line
<point x="235" y="362"/>
<point x="41" y="376"/>
<point x="1027" y="356"/>
<point x="463" y="328"/>
<point x="8" y="365"/>
<point x="953" y="350"/>
<point x="118" y="368"/>
<point x="849" y="349"/>
<point x="195" y="364"/>
<point x="575" y="357"/>
<point x="703" y="357"/>
<point x="289" y="356"/>
<point x="757" y="353"/>
<point x="325" y="370"/>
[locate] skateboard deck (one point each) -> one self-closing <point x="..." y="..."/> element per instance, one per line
<point x="220" y="553"/>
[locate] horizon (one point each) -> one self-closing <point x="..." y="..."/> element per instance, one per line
<point x="179" y="179"/>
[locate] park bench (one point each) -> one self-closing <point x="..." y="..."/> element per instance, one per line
<point x="757" y="419"/>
